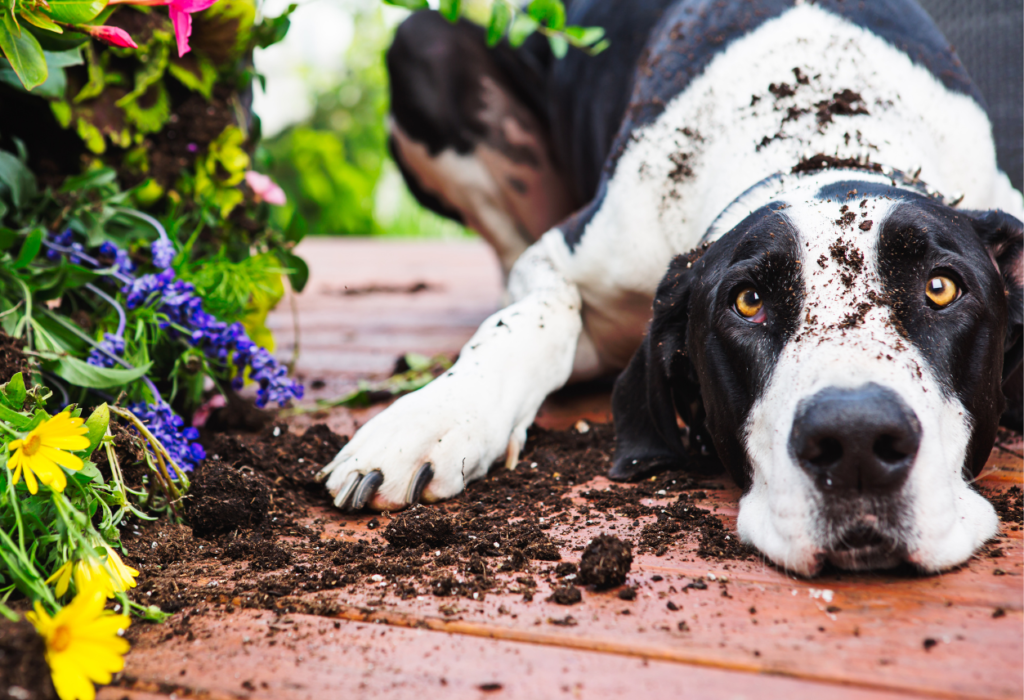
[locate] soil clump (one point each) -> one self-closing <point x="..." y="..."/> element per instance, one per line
<point x="605" y="562"/>
<point x="24" y="673"/>
<point x="12" y="359"/>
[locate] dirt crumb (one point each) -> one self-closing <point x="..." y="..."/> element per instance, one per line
<point x="223" y="498"/>
<point x="566" y="595"/>
<point x="606" y="562"/>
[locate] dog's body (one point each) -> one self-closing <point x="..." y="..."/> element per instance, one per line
<point x="708" y="126"/>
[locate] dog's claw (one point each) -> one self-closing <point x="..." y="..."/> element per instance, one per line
<point x="346" y="490"/>
<point x="367" y="487"/>
<point x="419" y="482"/>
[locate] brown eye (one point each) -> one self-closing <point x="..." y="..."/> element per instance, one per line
<point x="942" y="291"/>
<point x="748" y="302"/>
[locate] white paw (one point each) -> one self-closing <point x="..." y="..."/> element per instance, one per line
<point x="427" y="446"/>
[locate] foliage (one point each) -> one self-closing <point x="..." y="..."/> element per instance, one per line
<point x="335" y="165"/>
<point x="516" y="21"/>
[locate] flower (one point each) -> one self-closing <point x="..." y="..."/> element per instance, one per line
<point x="41" y="453"/>
<point x="112" y="576"/>
<point x="170" y="430"/>
<point x="63" y="577"/>
<point x="181" y="17"/>
<point x="110" y="345"/>
<point x="264" y="188"/>
<point x="163" y="253"/>
<point x="122" y="261"/>
<point x="83" y="643"/>
<point x="111" y="35"/>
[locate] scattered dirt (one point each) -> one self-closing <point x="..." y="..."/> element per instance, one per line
<point x="1010" y="506"/>
<point x="845" y="103"/>
<point x="566" y="595"/>
<point x="822" y="161"/>
<point x="12" y="359"/>
<point x="259" y="537"/>
<point x="414" y="288"/>
<point x="605" y="562"/>
<point x="24" y="673"/>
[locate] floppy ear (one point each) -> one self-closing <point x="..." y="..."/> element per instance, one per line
<point x="1003" y="235"/>
<point x="658" y="382"/>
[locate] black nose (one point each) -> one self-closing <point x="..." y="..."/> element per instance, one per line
<point x="862" y="439"/>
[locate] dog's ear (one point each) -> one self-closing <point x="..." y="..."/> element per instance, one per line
<point x="658" y="382"/>
<point x="1003" y="235"/>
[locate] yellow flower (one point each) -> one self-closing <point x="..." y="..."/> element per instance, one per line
<point x="41" y="453"/>
<point x="63" y="577"/>
<point x="122" y="576"/>
<point x="83" y="643"/>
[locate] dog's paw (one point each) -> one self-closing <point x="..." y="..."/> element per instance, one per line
<point x="427" y="446"/>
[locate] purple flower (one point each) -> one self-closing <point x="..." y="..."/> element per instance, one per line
<point x="113" y="345"/>
<point x="163" y="253"/>
<point x="62" y="239"/>
<point x="122" y="261"/>
<point x="169" y="429"/>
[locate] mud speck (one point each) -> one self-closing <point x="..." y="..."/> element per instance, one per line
<point x="605" y="562"/>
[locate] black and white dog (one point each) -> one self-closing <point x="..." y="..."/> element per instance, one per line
<point x="839" y="333"/>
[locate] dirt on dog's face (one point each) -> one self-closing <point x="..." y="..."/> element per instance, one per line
<point x="842" y="350"/>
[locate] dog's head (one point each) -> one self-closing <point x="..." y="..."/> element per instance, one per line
<point x="843" y="350"/>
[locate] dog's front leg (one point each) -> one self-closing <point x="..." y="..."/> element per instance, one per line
<point x="431" y="443"/>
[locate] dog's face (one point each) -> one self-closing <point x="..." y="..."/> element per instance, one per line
<point x="843" y="349"/>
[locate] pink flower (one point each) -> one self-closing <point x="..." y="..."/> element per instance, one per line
<point x="111" y="35"/>
<point x="264" y="188"/>
<point x="181" y="16"/>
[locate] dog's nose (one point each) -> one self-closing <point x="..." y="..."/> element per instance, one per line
<point x="862" y="439"/>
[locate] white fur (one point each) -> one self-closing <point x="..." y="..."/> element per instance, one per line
<point x="464" y="420"/>
<point x="946" y="520"/>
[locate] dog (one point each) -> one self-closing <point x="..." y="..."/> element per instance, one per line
<point x="840" y="322"/>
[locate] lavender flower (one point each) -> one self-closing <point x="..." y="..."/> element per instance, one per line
<point x="163" y="253"/>
<point x="110" y="345"/>
<point x="122" y="261"/>
<point x="61" y="239"/>
<point x="170" y="430"/>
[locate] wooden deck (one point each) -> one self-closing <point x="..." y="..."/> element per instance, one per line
<point x="753" y="632"/>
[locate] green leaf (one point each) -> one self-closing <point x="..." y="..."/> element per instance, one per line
<point x="89" y="473"/>
<point x="297" y="228"/>
<point x="30" y="248"/>
<point x="82" y="374"/>
<point x="17" y="178"/>
<point x="58" y="42"/>
<point x="496" y="28"/>
<point x="550" y="13"/>
<point x="7" y="238"/>
<point x="409" y="4"/>
<point x="97" y="426"/>
<point x="298" y="270"/>
<point x="14" y="391"/>
<point x="63" y="59"/>
<point x="39" y="19"/>
<point x="23" y="51"/>
<point x="559" y="46"/>
<point x="18" y="420"/>
<point x="199" y="74"/>
<point x="522" y="27"/>
<point x="273" y="29"/>
<point x="584" y="36"/>
<point x="450" y="9"/>
<point x="76" y="11"/>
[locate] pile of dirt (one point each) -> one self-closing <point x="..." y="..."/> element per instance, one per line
<point x="605" y="562"/>
<point x="24" y="673"/>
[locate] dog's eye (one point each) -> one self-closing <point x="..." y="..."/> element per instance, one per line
<point x="942" y="291"/>
<point x="748" y="303"/>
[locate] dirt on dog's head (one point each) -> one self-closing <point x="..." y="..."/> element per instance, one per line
<point x="844" y="351"/>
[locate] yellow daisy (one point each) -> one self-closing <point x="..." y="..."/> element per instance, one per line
<point x="41" y="453"/>
<point x="112" y="576"/>
<point x="83" y="643"/>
